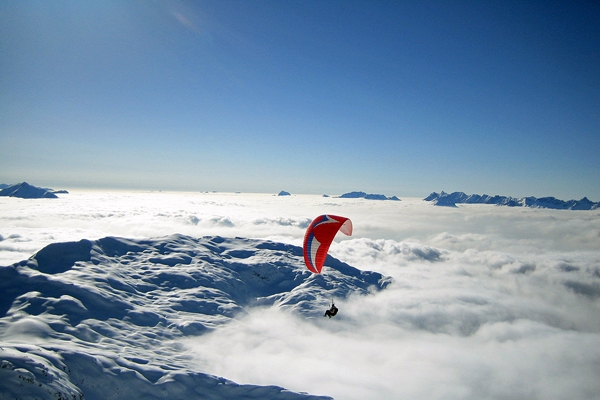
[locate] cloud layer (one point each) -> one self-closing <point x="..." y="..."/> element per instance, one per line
<point x="487" y="302"/>
<point x="453" y="326"/>
<point x="28" y="225"/>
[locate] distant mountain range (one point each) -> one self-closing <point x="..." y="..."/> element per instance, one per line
<point x="451" y="199"/>
<point x="26" y="191"/>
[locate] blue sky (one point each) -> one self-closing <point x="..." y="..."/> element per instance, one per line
<point x="394" y="97"/>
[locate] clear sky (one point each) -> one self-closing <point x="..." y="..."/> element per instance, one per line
<point x="394" y="97"/>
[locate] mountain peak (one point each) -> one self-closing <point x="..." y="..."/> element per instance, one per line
<point x="26" y="191"/>
<point x="93" y="299"/>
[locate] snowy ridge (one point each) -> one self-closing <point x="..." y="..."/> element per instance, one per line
<point x="102" y="319"/>
<point x="451" y="199"/>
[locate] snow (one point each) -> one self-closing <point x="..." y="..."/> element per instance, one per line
<point x="205" y="295"/>
<point x="118" y="307"/>
<point x="450" y="199"/>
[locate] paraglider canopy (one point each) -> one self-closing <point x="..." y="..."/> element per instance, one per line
<point x="318" y="238"/>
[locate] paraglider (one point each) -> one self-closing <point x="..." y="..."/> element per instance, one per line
<point x="332" y="311"/>
<point x="318" y="238"/>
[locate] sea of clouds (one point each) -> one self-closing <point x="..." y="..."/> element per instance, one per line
<point x="487" y="301"/>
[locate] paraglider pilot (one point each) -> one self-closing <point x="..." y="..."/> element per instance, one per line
<point x="331" y="312"/>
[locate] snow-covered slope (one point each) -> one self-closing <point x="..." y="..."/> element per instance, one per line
<point x="450" y="200"/>
<point x="102" y="319"/>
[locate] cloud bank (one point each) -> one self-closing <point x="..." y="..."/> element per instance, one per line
<point x="487" y="302"/>
<point x="466" y="325"/>
<point x="28" y="225"/>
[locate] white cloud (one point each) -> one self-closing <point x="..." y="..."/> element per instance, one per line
<point x="452" y="329"/>
<point x="93" y="214"/>
<point x="487" y="302"/>
<point x="381" y="358"/>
